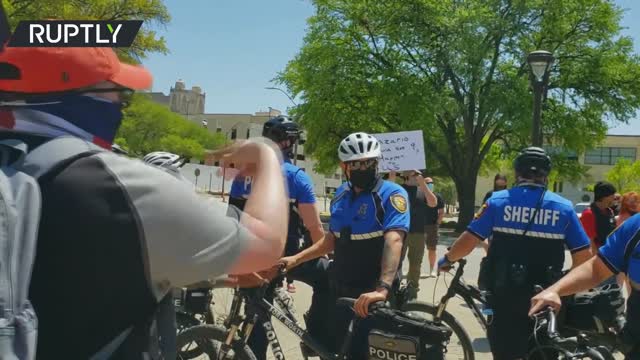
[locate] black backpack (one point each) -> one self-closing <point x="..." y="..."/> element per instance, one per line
<point x="398" y="335"/>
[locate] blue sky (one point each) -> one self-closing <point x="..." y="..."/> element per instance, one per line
<point x="232" y="49"/>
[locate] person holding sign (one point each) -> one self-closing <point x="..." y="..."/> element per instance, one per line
<point x="421" y="198"/>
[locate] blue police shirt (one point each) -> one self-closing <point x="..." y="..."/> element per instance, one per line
<point x="509" y="212"/>
<point x="359" y="222"/>
<point x="298" y="185"/>
<point x="613" y="251"/>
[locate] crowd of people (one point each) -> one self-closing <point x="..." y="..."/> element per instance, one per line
<point x="115" y="234"/>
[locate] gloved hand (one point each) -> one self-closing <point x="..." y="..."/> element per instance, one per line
<point x="444" y="264"/>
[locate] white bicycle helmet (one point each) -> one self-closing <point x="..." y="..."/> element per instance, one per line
<point x="359" y="146"/>
<point x="163" y="159"/>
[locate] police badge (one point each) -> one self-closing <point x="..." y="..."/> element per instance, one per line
<point x="399" y="203"/>
<point x="363" y="210"/>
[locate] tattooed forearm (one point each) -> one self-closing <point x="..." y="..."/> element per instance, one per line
<point x="391" y="256"/>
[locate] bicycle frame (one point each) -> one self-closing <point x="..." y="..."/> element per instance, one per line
<point x="259" y="307"/>
<point x="470" y="294"/>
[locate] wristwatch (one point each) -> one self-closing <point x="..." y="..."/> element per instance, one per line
<point x="383" y="285"/>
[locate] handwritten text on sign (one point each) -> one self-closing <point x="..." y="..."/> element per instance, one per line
<point x="401" y="151"/>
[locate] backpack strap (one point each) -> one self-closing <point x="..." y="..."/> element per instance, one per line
<point x="628" y="251"/>
<point x="12" y="151"/>
<point x="56" y="153"/>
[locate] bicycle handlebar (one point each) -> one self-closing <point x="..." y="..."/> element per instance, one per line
<point x="556" y="338"/>
<point x="350" y="302"/>
<point x="552" y="331"/>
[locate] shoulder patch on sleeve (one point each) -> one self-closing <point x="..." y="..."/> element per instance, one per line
<point x="399" y="202"/>
<point x="481" y="211"/>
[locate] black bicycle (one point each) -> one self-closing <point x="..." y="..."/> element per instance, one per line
<point x="475" y="299"/>
<point x="472" y="296"/>
<point x="211" y="303"/>
<point x="231" y="343"/>
<point x="548" y="340"/>
<point x="250" y="305"/>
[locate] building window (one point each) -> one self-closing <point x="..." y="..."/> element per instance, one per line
<point x="557" y="186"/>
<point x="234" y="134"/>
<point x="202" y="162"/>
<point x="300" y="157"/>
<point x="609" y="155"/>
<point x="217" y="163"/>
<point x="556" y="150"/>
<point x="219" y="130"/>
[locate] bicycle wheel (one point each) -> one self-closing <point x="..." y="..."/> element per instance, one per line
<point x="185" y="321"/>
<point x="459" y="346"/>
<point x="209" y="339"/>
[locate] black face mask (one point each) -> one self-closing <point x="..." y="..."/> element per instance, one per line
<point x="363" y="179"/>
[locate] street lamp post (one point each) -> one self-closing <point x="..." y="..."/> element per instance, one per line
<point x="540" y="63"/>
<point x="284" y="92"/>
<point x="295" y="146"/>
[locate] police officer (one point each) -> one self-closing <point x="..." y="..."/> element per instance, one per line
<point x="530" y="227"/>
<point x="302" y="213"/>
<point x="369" y="221"/>
<point x="621" y="253"/>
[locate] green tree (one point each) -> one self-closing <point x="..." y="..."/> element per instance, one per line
<point x="447" y="189"/>
<point x="457" y="70"/>
<point x="625" y="175"/>
<point x="148" y="126"/>
<point x="152" y="12"/>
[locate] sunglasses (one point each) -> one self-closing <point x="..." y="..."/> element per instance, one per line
<point x="361" y="164"/>
<point x="124" y="94"/>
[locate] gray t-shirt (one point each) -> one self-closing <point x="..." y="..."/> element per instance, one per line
<point x="115" y="235"/>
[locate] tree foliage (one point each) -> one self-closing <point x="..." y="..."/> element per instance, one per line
<point x="447" y="189"/>
<point x="625" y="176"/>
<point x="458" y="71"/>
<point x="153" y="12"/>
<point x="148" y="126"/>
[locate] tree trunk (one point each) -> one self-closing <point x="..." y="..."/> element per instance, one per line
<point x="466" y="187"/>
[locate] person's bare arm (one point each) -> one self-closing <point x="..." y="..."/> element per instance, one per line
<point x="485" y="245"/>
<point x="266" y="214"/>
<point x="391" y="254"/>
<point x="324" y="246"/>
<point x="580" y="257"/>
<point x="311" y="219"/>
<point x="430" y="197"/>
<point x="463" y="246"/>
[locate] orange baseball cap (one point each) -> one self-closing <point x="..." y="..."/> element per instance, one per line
<point x="58" y="69"/>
